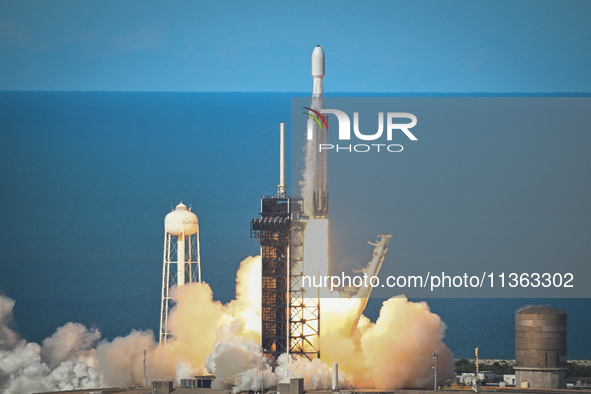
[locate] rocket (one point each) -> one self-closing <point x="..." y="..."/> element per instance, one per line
<point x="316" y="191"/>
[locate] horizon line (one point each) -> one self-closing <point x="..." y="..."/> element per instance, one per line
<point x="306" y="94"/>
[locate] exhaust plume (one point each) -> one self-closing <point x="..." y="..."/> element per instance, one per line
<point x="210" y="337"/>
<point x="23" y="368"/>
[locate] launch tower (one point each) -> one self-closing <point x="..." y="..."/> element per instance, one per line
<point x="290" y="319"/>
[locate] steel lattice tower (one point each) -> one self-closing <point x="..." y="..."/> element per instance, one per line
<point x="290" y="319"/>
<point x="304" y="337"/>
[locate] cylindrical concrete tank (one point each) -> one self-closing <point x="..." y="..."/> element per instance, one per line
<point x="540" y="347"/>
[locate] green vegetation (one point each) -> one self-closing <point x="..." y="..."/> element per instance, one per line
<point x="578" y="371"/>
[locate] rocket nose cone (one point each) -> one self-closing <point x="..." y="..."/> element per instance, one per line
<point x="318" y="62"/>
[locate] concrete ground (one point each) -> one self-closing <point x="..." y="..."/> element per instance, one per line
<point x="464" y="389"/>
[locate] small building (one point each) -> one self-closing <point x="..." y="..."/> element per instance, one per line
<point x="296" y="386"/>
<point x="161" y="386"/>
<point x="187" y="384"/>
<point x="509" y="379"/>
<point x="204" y="382"/>
<point x="283" y="388"/>
<point x="487" y="376"/>
<point x="468" y="378"/>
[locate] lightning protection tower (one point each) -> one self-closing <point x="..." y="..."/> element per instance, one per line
<point x="181" y="250"/>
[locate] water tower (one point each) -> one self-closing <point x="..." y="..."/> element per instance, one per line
<point x="181" y="251"/>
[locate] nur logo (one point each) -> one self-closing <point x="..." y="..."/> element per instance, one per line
<point x="345" y="130"/>
<point x="321" y="125"/>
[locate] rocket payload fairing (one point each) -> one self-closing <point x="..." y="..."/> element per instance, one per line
<point x="316" y="182"/>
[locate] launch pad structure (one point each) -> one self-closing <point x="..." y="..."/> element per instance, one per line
<point x="290" y="318"/>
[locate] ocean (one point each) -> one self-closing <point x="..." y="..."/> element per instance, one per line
<point x="87" y="178"/>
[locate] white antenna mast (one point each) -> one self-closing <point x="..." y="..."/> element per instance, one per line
<point x="282" y="188"/>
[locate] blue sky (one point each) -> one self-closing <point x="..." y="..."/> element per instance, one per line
<point x="375" y="46"/>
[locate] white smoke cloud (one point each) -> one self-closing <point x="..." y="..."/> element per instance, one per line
<point x="71" y="375"/>
<point x="183" y="370"/>
<point x="22" y="369"/>
<point x="210" y="337"/>
<point x="70" y="342"/>
<point x="7" y="336"/>
<point x="316" y="373"/>
<point x="121" y="362"/>
<point x="237" y="364"/>
<point x="74" y="358"/>
<point x="26" y="378"/>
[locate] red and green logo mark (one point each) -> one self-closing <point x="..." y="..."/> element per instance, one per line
<point x="317" y="118"/>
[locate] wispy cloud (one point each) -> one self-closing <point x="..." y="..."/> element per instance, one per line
<point x="12" y="35"/>
<point x="151" y="38"/>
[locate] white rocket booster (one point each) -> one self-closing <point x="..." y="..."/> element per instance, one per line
<point x="316" y="182"/>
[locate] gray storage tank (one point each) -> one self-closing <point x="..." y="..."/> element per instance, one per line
<point x="540" y="347"/>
